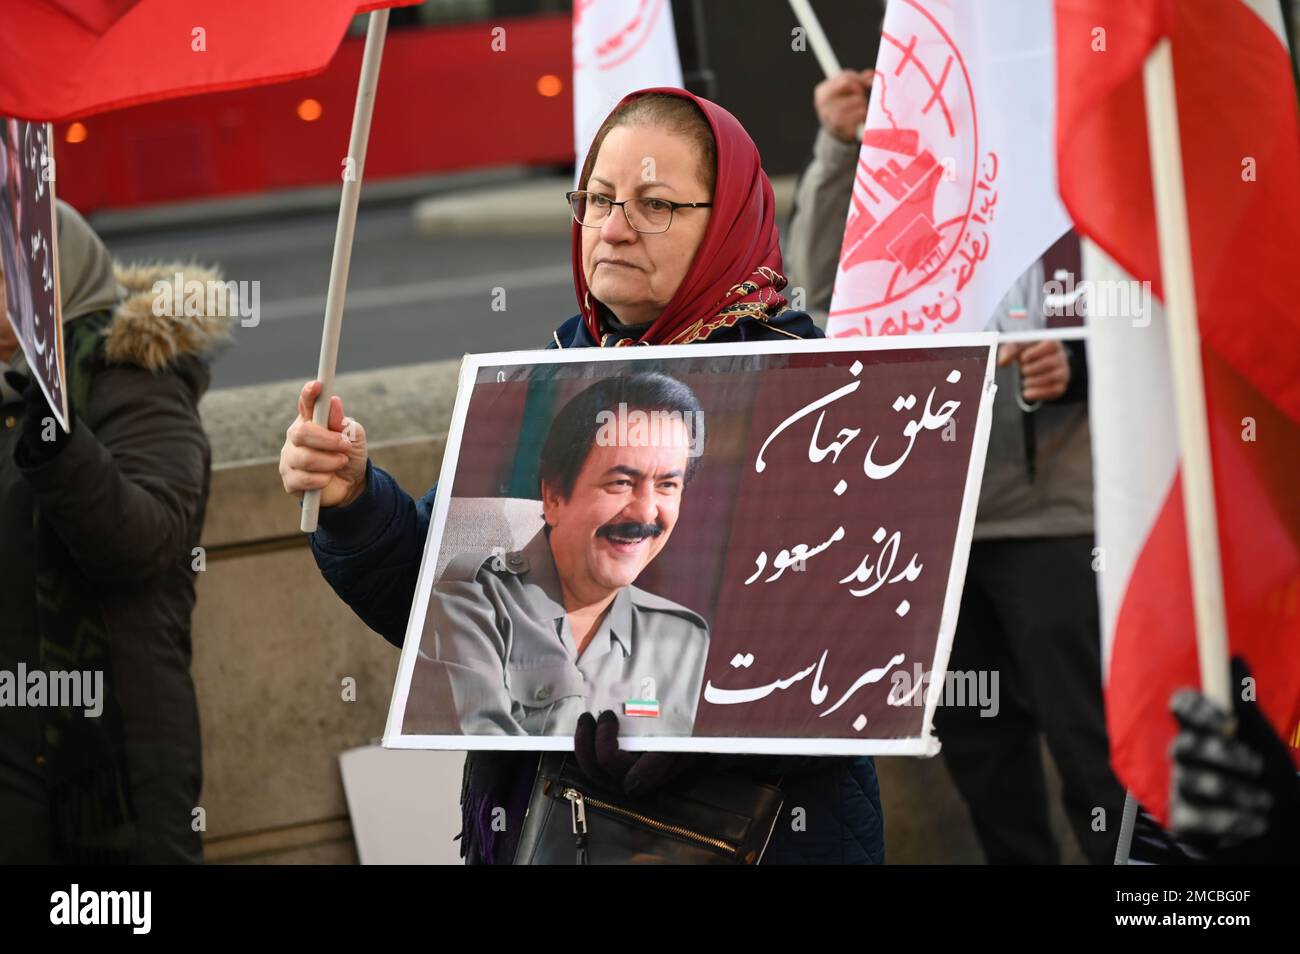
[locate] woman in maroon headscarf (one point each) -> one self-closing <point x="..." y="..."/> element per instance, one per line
<point x="695" y="257"/>
<point x="674" y="242"/>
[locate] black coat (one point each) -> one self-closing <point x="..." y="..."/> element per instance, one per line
<point x="125" y="498"/>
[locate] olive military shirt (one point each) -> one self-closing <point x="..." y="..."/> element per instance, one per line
<point x="497" y="628"/>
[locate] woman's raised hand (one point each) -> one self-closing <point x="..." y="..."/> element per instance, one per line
<point x="330" y="459"/>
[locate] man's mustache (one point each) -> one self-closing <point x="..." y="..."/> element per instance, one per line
<point x="630" y="530"/>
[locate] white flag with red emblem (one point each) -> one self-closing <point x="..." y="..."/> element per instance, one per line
<point x="955" y="194"/>
<point x="618" y="46"/>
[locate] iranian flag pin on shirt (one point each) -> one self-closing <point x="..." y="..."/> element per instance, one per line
<point x="642" y="707"/>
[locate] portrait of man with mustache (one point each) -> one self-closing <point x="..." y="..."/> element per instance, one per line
<point x="530" y="640"/>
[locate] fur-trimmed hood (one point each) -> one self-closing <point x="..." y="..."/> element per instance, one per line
<point x="149" y="331"/>
<point x="143" y="331"/>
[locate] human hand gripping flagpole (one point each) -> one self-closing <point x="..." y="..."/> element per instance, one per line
<point x="376" y="29"/>
<point x="1188" y="381"/>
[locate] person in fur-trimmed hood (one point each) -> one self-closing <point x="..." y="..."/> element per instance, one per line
<point x="97" y="534"/>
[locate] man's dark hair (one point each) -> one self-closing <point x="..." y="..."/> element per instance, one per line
<point x="573" y="432"/>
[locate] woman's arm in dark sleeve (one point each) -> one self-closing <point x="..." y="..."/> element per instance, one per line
<point x="370" y="551"/>
<point x="125" y="491"/>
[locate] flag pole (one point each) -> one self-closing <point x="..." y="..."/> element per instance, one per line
<point x="1188" y="382"/>
<point x="822" y="49"/>
<point x="1127" y="822"/>
<point x="821" y="46"/>
<point x="376" y="29"/>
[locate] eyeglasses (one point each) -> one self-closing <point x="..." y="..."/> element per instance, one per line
<point x="649" y="216"/>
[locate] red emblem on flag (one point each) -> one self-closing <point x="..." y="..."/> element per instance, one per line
<point x="913" y="237"/>
<point x="621" y="44"/>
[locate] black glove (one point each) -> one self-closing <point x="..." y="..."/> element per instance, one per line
<point x="33" y="448"/>
<point x="636" y="774"/>
<point x="1235" y="795"/>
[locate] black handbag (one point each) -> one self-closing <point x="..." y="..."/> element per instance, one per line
<point x="709" y="819"/>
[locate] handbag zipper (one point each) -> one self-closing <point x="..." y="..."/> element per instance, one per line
<point x="580" y="801"/>
<point x="579" y="809"/>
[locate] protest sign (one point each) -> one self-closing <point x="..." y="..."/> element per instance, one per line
<point x="757" y="550"/>
<point x="29" y="255"/>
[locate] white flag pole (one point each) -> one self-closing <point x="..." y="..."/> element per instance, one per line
<point x="1185" y="359"/>
<point x="822" y="49"/>
<point x="821" y="46"/>
<point x="1065" y="333"/>
<point x="376" y="30"/>
<point x="1127" y="822"/>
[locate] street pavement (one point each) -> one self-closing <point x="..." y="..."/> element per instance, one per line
<point x="411" y="298"/>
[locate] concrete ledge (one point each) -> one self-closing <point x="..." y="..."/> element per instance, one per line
<point x="393" y="404"/>
<point x="250" y="508"/>
<point x="323" y="842"/>
<point x="272" y="643"/>
<point x="287" y="678"/>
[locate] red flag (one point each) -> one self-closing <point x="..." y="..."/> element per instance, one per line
<point x="65" y="59"/>
<point x="1241" y="158"/>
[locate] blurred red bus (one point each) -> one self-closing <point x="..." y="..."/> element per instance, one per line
<point x="449" y="99"/>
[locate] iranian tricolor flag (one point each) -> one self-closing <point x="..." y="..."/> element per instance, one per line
<point x="618" y="46"/>
<point x="1240" y="149"/>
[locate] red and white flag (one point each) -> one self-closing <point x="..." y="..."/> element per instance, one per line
<point x="1241" y="158"/>
<point x="618" y="46"/>
<point x="956" y="192"/>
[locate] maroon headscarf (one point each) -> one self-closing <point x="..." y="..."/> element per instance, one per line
<point x="737" y="269"/>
